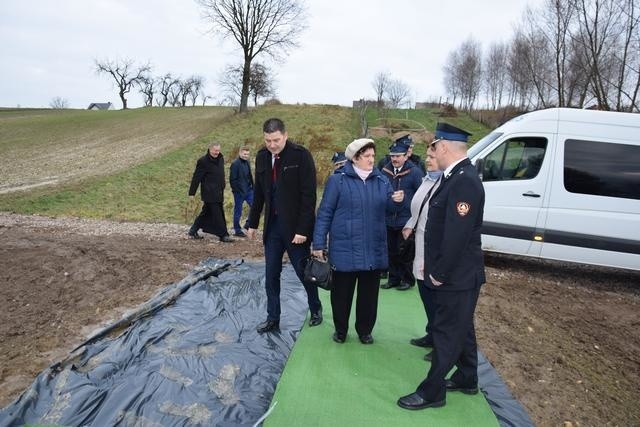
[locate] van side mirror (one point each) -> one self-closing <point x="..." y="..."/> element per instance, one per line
<point x="480" y="167"/>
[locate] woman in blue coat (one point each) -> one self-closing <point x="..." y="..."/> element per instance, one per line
<point x="352" y="213"/>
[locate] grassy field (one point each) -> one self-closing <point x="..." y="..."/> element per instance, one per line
<point x="152" y="185"/>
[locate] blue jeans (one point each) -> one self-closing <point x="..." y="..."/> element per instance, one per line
<point x="274" y="246"/>
<point x="238" y="201"/>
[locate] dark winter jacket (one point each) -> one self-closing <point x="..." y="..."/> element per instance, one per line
<point x="240" y="177"/>
<point x="415" y="159"/>
<point x="295" y="200"/>
<point x="453" y="247"/>
<point x="352" y="214"/>
<point x="209" y="175"/>
<point x="408" y="179"/>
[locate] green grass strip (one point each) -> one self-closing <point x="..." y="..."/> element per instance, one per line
<point x="351" y="384"/>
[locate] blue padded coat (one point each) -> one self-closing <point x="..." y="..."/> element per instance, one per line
<point x="352" y="214"/>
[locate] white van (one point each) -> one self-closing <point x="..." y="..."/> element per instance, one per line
<point x="563" y="184"/>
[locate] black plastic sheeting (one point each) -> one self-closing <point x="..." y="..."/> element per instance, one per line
<point x="192" y="356"/>
<point x="197" y="360"/>
<point x="508" y="411"/>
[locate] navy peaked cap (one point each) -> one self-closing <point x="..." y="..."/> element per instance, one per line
<point x="451" y="133"/>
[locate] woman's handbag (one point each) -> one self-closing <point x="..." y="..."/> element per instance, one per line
<point x="318" y="272"/>
<point x="407" y="247"/>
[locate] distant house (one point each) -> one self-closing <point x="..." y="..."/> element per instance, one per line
<point x="101" y="106"/>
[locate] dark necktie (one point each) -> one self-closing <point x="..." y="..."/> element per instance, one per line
<point x="274" y="168"/>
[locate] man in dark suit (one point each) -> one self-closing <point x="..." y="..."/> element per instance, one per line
<point x="241" y="181"/>
<point x="285" y="185"/>
<point x="453" y="270"/>
<point x="209" y="176"/>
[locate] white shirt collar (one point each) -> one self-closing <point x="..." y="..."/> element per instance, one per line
<point x="448" y="170"/>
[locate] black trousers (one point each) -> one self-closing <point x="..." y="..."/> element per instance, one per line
<point x="344" y="285"/>
<point x="211" y="220"/>
<point x="426" y="295"/>
<point x="400" y="269"/>
<point x="454" y="343"/>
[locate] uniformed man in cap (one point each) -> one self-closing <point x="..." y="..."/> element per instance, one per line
<point x="406" y="177"/>
<point x="415" y="159"/>
<point x="338" y="160"/>
<point x="453" y="271"/>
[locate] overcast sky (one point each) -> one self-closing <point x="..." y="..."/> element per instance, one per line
<point x="48" y="47"/>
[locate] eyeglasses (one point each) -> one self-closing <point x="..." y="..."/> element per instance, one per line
<point x="435" y="141"/>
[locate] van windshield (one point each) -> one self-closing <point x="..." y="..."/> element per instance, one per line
<point x="484" y="142"/>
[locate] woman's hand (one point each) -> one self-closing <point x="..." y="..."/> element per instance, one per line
<point x="406" y="232"/>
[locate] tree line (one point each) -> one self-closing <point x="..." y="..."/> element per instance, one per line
<point x="566" y="53"/>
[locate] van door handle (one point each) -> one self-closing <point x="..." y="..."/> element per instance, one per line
<point x="530" y="194"/>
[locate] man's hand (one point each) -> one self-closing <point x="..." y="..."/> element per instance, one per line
<point x="318" y="254"/>
<point x="298" y="239"/>
<point x="251" y="233"/>
<point x="434" y="281"/>
<point x="406" y="232"/>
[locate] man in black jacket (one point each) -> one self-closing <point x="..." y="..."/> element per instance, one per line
<point x="285" y="186"/>
<point x="453" y="271"/>
<point x="241" y="182"/>
<point x="209" y="175"/>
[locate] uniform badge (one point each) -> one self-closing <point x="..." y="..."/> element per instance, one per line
<point x="463" y="208"/>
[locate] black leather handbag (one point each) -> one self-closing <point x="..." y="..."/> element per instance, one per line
<point x="318" y="272"/>
<point x="407" y="247"/>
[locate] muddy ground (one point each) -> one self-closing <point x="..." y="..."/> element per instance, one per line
<point x="566" y="339"/>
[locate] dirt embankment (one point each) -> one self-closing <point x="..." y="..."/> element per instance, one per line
<point x="565" y="339"/>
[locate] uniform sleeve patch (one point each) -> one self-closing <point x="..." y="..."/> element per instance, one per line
<point x="463" y="208"/>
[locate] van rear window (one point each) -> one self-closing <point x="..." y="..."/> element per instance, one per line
<point x="602" y="169"/>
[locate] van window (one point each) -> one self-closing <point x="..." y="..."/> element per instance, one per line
<point x="602" y="169"/>
<point x="517" y="158"/>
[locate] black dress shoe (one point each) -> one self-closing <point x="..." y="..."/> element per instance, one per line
<point x="454" y="386"/>
<point x="404" y="286"/>
<point x="414" y="401"/>
<point x="268" y="326"/>
<point x="428" y="357"/>
<point x="316" y="318"/>
<point x="226" y="239"/>
<point x="366" y="339"/>
<point x="424" y="341"/>
<point x="240" y="234"/>
<point x="388" y="285"/>
<point x="339" y="338"/>
<point x="195" y="236"/>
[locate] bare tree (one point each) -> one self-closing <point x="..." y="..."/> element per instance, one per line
<point x="398" y="93"/>
<point x="174" y="96"/>
<point x="520" y="84"/>
<point x="261" y="83"/>
<point x="597" y="37"/>
<point x="258" y="26"/>
<point x="628" y="58"/>
<point x="470" y="72"/>
<point x="124" y="74"/>
<point x="197" y="83"/>
<point x="164" y="84"/>
<point x="59" y="103"/>
<point x="146" y="87"/>
<point x="495" y="75"/>
<point x="549" y="32"/>
<point x="451" y="71"/>
<point x="380" y="85"/>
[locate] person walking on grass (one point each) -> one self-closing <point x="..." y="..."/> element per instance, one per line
<point x="209" y="176"/>
<point x="241" y="182"/>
